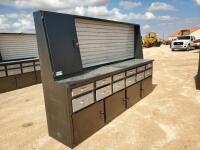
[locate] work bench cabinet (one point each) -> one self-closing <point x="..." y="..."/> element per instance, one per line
<point x="92" y="71"/>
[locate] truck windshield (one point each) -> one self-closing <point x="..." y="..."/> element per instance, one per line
<point x="184" y="38"/>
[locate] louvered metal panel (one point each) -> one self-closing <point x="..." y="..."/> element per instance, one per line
<point x="103" y="42"/>
<point x="18" y="46"/>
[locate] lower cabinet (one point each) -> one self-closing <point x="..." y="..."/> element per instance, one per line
<point x="7" y="84"/>
<point x="133" y="94"/>
<point x="26" y="79"/>
<point x="88" y="121"/>
<point x="146" y="86"/>
<point x="91" y="119"/>
<point x="114" y="105"/>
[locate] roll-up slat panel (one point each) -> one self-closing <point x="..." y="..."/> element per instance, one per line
<point x="103" y="42"/>
<point x="18" y="46"/>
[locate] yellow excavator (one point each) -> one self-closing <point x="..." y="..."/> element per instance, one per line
<point x="151" y="39"/>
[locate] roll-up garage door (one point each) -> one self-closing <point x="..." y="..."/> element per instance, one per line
<point x="103" y="42"/>
<point x="18" y="46"/>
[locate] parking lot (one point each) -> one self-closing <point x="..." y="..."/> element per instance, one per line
<point x="167" y="119"/>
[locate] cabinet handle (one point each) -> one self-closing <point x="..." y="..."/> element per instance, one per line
<point x="101" y="114"/>
<point x="123" y="99"/>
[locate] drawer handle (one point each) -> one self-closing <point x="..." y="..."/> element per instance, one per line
<point x="82" y="103"/>
<point x="83" y="88"/>
<point x="123" y="99"/>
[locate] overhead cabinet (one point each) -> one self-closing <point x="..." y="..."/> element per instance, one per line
<point x="92" y="71"/>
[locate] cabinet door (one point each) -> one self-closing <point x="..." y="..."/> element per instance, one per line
<point x="88" y="121"/>
<point x="63" y="44"/>
<point x="146" y="86"/>
<point x="114" y="105"/>
<point x="133" y="94"/>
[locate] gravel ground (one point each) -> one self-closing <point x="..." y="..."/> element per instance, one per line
<point x="167" y="119"/>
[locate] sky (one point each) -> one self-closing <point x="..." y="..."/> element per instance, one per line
<point x="163" y="17"/>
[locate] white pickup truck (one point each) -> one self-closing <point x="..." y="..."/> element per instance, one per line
<point x="183" y="43"/>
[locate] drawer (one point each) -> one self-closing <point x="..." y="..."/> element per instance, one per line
<point x="148" y="66"/>
<point x="14" y="72"/>
<point x="28" y="69"/>
<point x="103" y="92"/>
<point x="37" y="62"/>
<point x="142" y="68"/>
<point x="130" y="81"/>
<point x="148" y="73"/>
<point x="118" y="86"/>
<point x="130" y="72"/>
<point x="27" y="64"/>
<point x="37" y="67"/>
<point x="13" y="66"/>
<point x="103" y="82"/>
<point x="2" y="67"/>
<point x="82" y="89"/>
<point x="140" y="76"/>
<point x="2" y="73"/>
<point x="82" y="101"/>
<point x="118" y="76"/>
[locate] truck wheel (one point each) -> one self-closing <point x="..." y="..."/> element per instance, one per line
<point x="188" y="48"/>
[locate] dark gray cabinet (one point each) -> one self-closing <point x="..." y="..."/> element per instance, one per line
<point x="19" y="74"/>
<point x="92" y="70"/>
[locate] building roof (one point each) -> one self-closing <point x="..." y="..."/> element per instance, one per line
<point x="175" y="34"/>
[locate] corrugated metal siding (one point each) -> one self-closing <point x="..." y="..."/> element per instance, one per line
<point x="103" y="42"/>
<point x="16" y="46"/>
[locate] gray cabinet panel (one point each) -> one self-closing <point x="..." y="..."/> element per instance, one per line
<point x="63" y="44"/>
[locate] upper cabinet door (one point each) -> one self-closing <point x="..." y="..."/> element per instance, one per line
<point x="63" y="44"/>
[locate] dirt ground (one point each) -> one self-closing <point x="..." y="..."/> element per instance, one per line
<point x="167" y="119"/>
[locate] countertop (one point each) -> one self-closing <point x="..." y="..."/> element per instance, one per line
<point x="100" y="72"/>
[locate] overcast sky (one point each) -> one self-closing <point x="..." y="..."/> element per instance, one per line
<point x="163" y="17"/>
